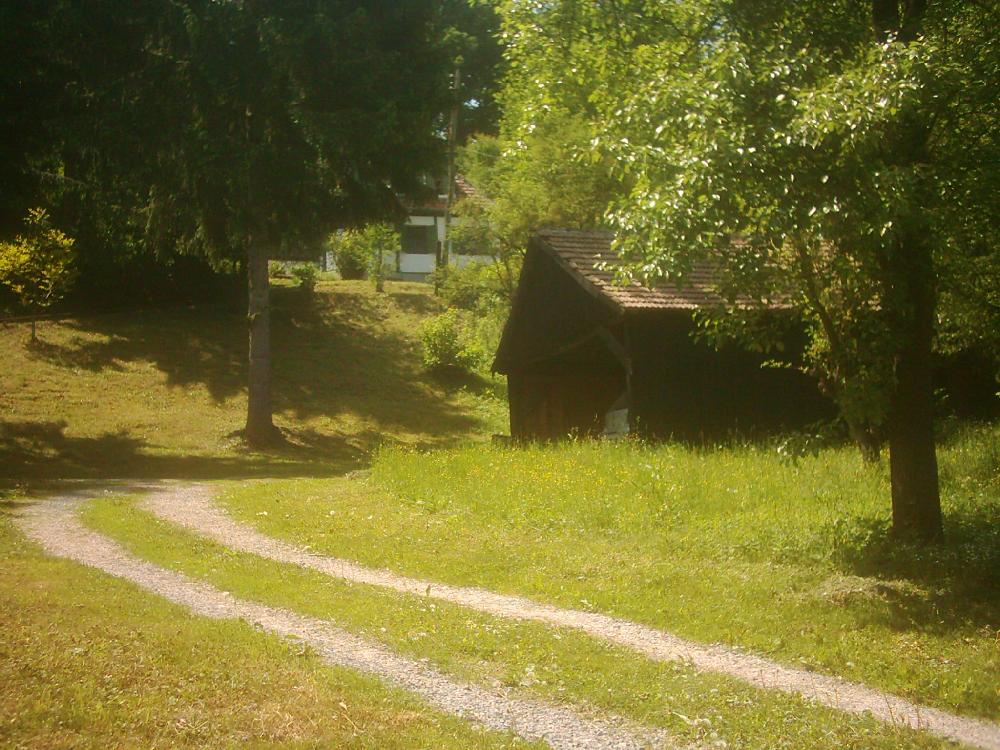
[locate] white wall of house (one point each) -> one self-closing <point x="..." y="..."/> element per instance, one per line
<point x="413" y="262"/>
<point x="461" y="261"/>
<point x="424" y="263"/>
<point x="421" y="264"/>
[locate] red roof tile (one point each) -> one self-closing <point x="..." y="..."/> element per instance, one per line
<point x="589" y="257"/>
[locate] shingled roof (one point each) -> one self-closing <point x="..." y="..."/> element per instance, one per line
<point x="588" y="256"/>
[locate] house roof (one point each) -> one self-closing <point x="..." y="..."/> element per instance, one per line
<point x="437" y="204"/>
<point x="588" y="256"/>
<point x="465" y="189"/>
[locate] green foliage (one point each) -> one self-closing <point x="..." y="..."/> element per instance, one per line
<point x="824" y="156"/>
<point x="142" y="125"/>
<point x="349" y="255"/>
<point x="476" y="286"/>
<point x="38" y="266"/>
<point x="480" y="299"/>
<point x="381" y="242"/>
<point x="791" y="132"/>
<point x="471" y="40"/>
<point x="449" y="344"/>
<point x="306" y="274"/>
<point x="365" y="252"/>
<point x="786" y="126"/>
<point x="542" y="178"/>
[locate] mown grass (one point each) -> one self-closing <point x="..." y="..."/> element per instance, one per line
<point x="162" y="393"/>
<point x="528" y="658"/>
<point x="88" y="661"/>
<point x="724" y="545"/>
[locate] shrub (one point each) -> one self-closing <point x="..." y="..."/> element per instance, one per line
<point x="306" y="274"/>
<point x="38" y="267"/>
<point x="448" y="344"/>
<point x="470" y="288"/>
<point x="349" y="255"/>
<point x="276" y="269"/>
<point x="362" y="252"/>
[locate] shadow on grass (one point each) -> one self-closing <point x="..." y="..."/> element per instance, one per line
<point x="937" y="588"/>
<point x="333" y="354"/>
<point x="454" y="379"/>
<point x="413" y="302"/>
<point x="42" y="450"/>
<point x="187" y="345"/>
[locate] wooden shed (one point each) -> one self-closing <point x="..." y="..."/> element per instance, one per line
<point x="584" y="355"/>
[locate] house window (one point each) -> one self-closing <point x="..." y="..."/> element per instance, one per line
<point x="421" y="240"/>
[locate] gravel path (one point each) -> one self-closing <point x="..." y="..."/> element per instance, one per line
<point x="191" y="506"/>
<point x="54" y="525"/>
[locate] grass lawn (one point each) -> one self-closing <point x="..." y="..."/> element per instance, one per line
<point x="727" y="545"/>
<point x="87" y="661"/>
<point x="161" y="393"/>
<point x="531" y="659"/>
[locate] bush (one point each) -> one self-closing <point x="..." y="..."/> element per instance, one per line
<point x="448" y="344"/>
<point x="361" y="253"/>
<point x="474" y="287"/>
<point x="306" y="274"/>
<point x="349" y="255"/>
<point x="39" y="266"/>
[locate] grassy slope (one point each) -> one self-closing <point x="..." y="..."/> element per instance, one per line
<point x="728" y="545"/>
<point x="84" y="660"/>
<point x="90" y="662"/>
<point x="160" y="393"/>
<point x="527" y="658"/>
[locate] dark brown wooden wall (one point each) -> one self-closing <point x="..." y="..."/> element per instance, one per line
<point x="551" y="406"/>
<point x="687" y="389"/>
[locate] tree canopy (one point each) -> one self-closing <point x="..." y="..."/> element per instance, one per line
<point x="231" y="131"/>
<point x="835" y="156"/>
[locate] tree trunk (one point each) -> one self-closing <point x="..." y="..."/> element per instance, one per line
<point x="34" y="336"/>
<point x="260" y="429"/>
<point x="916" y="500"/>
<point x="910" y="290"/>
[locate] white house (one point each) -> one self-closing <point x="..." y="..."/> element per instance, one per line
<point x="423" y="235"/>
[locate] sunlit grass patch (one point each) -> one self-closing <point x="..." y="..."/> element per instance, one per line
<point x="162" y="393"/>
<point x="88" y="661"/>
<point x="528" y="658"/>
<point x="729" y="544"/>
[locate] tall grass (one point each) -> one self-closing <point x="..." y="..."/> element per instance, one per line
<point x="742" y="500"/>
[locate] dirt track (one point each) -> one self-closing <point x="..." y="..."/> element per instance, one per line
<point x="191" y="506"/>
<point x="54" y="525"/>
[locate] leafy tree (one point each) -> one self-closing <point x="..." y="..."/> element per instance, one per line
<point x="383" y="240"/>
<point x="350" y="256"/>
<point x="540" y="169"/>
<point x="232" y="131"/>
<point x="362" y="251"/>
<point x="305" y="274"/>
<point x="295" y="117"/>
<point x="845" y="145"/>
<point x="38" y="266"/>
<point x="471" y="38"/>
<point x="545" y="179"/>
<point x="833" y="156"/>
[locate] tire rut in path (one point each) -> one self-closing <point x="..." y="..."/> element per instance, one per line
<point x="192" y="507"/>
<point x="54" y="525"/>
